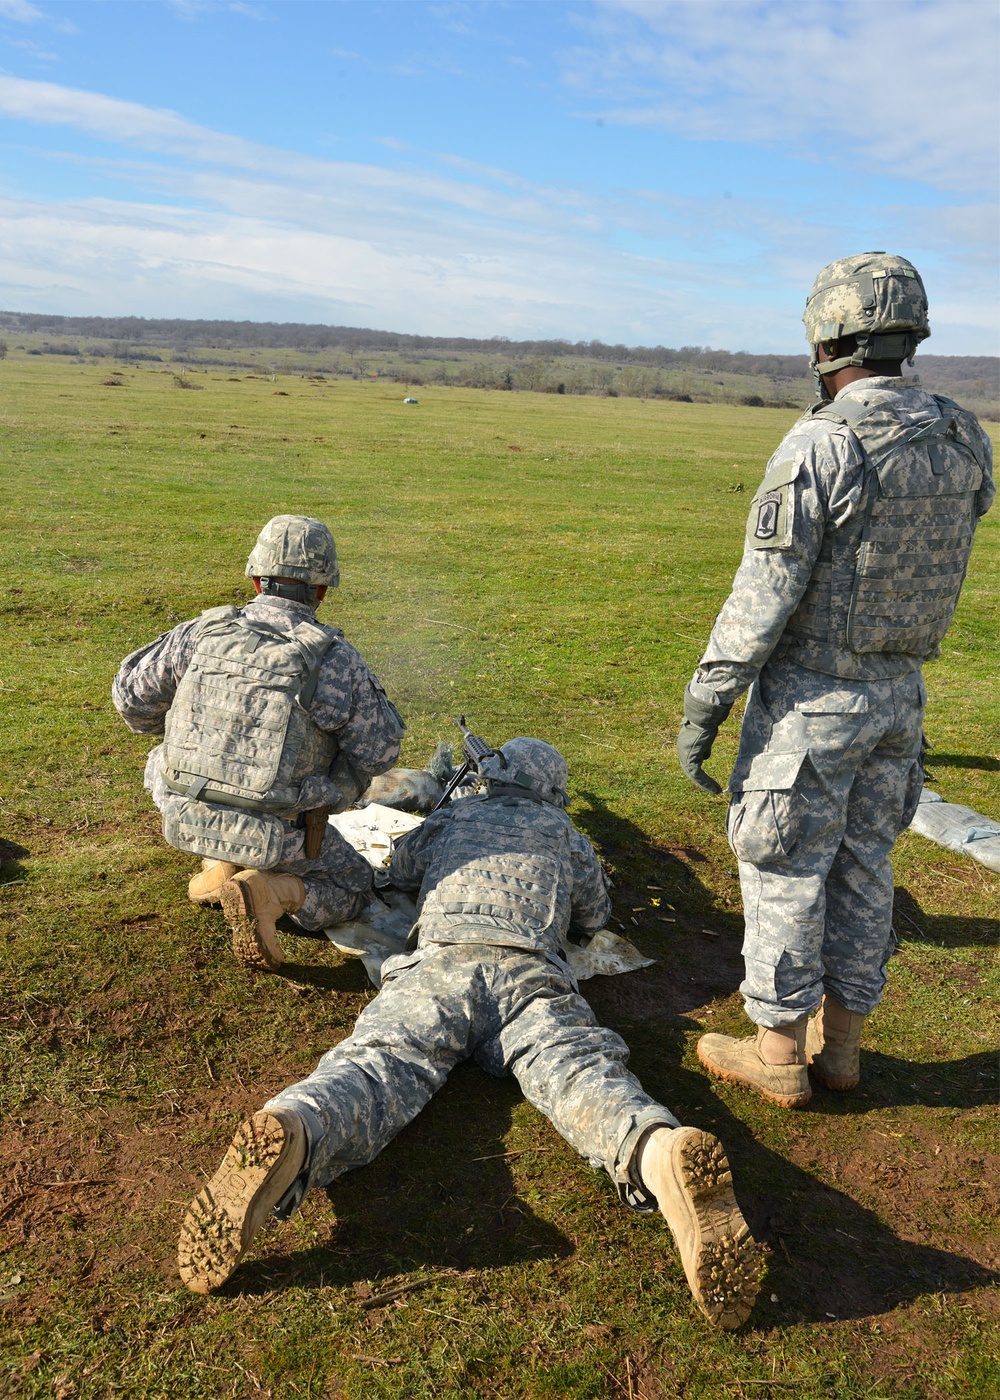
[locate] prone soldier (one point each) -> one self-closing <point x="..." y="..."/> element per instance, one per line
<point x="856" y="551"/>
<point x="271" y="721"/>
<point x="503" y="877"/>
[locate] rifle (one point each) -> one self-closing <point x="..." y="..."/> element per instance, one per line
<point x="474" y="750"/>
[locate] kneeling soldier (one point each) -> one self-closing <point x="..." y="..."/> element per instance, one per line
<point x="271" y="721"/>
<point x="503" y="878"/>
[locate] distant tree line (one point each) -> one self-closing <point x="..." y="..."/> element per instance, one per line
<point x="292" y="335"/>
<point x="693" y="372"/>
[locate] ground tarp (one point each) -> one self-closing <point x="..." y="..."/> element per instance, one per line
<point x="958" y="829"/>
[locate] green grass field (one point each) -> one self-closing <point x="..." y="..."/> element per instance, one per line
<point x="547" y="565"/>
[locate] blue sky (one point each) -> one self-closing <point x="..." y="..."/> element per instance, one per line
<point x="644" y="171"/>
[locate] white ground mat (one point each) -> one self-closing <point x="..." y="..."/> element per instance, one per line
<point x="382" y="929"/>
<point x="372" y="830"/>
<point x="958" y="829"/>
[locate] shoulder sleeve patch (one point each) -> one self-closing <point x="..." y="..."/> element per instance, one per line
<point x="772" y="512"/>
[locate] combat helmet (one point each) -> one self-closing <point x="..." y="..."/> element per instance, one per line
<point x="297" y="547"/>
<point x="877" y="297"/>
<point x="532" y="764"/>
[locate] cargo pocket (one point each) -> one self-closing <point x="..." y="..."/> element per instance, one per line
<point x="766" y="817"/>
<point x="400" y="962"/>
<point x="252" y="839"/>
<point x="911" y="799"/>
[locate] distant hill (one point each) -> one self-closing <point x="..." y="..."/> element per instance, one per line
<point x="694" y="373"/>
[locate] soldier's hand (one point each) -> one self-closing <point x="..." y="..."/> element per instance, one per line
<point x="694" y="744"/>
<point x="702" y="721"/>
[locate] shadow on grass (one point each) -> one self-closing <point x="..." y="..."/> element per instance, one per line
<point x="886" y="1082"/>
<point x="441" y="1196"/>
<point x="12" y="872"/>
<point x="348" y="976"/>
<point x="964" y="760"/>
<point x="697" y="953"/>
<point x="831" y="1257"/>
<point x="941" y="930"/>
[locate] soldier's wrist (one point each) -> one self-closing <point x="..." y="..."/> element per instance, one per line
<point x="704" y="708"/>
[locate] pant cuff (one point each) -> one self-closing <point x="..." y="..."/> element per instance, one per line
<point x="772" y="1017"/>
<point x="625" y="1172"/>
<point x="292" y="1198"/>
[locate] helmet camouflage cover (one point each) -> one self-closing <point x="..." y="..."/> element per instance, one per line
<point x="877" y="297"/>
<point x="295" y="546"/>
<point x="531" y="763"/>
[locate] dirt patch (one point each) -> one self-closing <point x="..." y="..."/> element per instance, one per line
<point x="925" y="1183"/>
<point x="91" y="1196"/>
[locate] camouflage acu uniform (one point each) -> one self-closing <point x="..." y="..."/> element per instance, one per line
<point x="349" y="705"/>
<point x="854" y="558"/>
<point x="503" y="880"/>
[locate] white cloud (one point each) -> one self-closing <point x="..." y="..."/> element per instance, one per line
<point x="908" y="89"/>
<point x="109" y="257"/>
<point x="124" y="123"/>
<point x="214" y="225"/>
<point x="20" y="11"/>
<point x="34" y="50"/>
<point x="23" y="12"/>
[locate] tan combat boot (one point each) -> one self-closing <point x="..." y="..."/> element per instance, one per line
<point x="205" y="887"/>
<point x="252" y="902"/>
<point x="773" y="1062"/>
<point x="833" y="1045"/>
<point x="263" y="1160"/>
<point x="687" y="1172"/>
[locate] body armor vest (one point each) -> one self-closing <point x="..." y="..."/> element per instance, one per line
<point x="888" y="581"/>
<point x="499" y="874"/>
<point x="238" y="732"/>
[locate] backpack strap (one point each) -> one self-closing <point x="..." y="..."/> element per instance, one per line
<point x="315" y="640"/>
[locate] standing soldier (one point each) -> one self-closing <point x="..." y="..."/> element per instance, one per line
<point x="271" y="721"/>
<point x="503" y="878"/>
<point x="856" y="550"/>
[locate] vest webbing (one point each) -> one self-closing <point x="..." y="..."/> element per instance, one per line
<point x="500" y="872"/>
<point x="888" y="581"/>
<point x="238" y="732"/>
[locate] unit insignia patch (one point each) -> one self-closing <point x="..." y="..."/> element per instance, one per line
<point x="767" y="516"/>
<point x="771" y="517"/>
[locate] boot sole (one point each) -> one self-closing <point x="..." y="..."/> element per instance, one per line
<point x="248" y="946"/>
<point x="725" y="1270"/>
<point x="223" y="1219"/>
<point x="798" y="1100"/>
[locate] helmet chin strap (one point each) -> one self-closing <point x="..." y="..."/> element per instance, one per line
<point x="895" y="347"/>
<point x="295" y="592"/>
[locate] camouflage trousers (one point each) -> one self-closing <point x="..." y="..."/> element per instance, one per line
<point x="827" y="776"/>
<point x="511" y="1011"/>
<point x="338" y="883"/>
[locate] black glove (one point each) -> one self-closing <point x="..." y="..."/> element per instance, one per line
<point x="702" y="722"/>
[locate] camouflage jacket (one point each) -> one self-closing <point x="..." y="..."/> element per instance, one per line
<point x="348" y="703"/>
<point x="785" y="537"/>
<point x="502" y="870"/>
